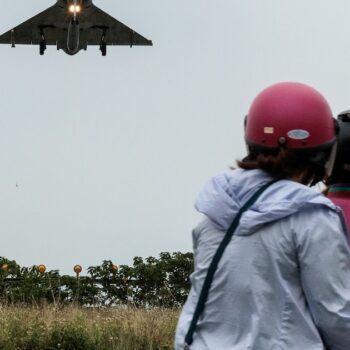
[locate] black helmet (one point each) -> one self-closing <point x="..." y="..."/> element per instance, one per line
<point x="341" y="169"/>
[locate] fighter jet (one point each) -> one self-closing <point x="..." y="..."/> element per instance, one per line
<point x="72" y="25"/>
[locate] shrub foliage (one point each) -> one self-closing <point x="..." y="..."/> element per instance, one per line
<point x="76" y="328"/>
<point x="151" y="282"/>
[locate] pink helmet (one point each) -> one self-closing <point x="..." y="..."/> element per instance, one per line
<point x="292" y="115"/>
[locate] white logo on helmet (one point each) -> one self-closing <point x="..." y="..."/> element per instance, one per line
<point x="298" y="134"/>
<point x="268" y="130"/>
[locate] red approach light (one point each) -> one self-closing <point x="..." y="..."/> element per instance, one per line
<point x="41" y="268"/>
<point x="78" y="269"/>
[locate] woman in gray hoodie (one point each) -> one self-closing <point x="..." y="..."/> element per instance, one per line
<point x="282" y="281"/>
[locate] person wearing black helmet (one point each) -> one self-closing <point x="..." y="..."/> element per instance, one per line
<point x="339" y="181"/>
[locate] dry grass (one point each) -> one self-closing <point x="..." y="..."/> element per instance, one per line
<point x="47" y="328"/>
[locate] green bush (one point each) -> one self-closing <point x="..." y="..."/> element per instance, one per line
<point x="150" y="282"/>
<point x="75" y="328"/>
<point x="71" y="336"/>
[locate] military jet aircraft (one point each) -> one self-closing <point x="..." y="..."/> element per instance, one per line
<point x="72" y="25"/>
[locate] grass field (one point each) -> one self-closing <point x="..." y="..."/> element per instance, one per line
<point x="71" y="328"/>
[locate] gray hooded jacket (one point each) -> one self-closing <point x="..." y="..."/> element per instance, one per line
<point x="283" y="282"/>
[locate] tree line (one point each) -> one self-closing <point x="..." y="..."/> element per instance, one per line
<point x="150" y="282"/>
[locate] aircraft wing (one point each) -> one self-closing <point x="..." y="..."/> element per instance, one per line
<point x="98" y="23"/>
<point x="30" y="31"/>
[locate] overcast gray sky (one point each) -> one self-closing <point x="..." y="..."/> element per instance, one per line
<point x="109" y="153"/>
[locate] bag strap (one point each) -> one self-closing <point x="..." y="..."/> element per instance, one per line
<point x="214" y="263"/>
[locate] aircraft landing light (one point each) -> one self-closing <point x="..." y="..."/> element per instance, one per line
<point x="74" y="8"/>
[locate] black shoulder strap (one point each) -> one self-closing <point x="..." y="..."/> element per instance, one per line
<point x="214" y="263"/>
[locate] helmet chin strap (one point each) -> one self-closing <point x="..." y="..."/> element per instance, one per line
<point x="331" y="160"/>
<point x="319" y="176"/>
<point x="324" y="163"/>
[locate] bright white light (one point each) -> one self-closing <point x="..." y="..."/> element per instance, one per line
<point x="74" y="9"/>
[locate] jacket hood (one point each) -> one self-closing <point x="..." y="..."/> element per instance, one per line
<point x="224" y="195"/>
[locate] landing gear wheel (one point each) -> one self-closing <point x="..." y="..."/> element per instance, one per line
<point x="103" y="48"/>
<point x="42" y="47"/>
